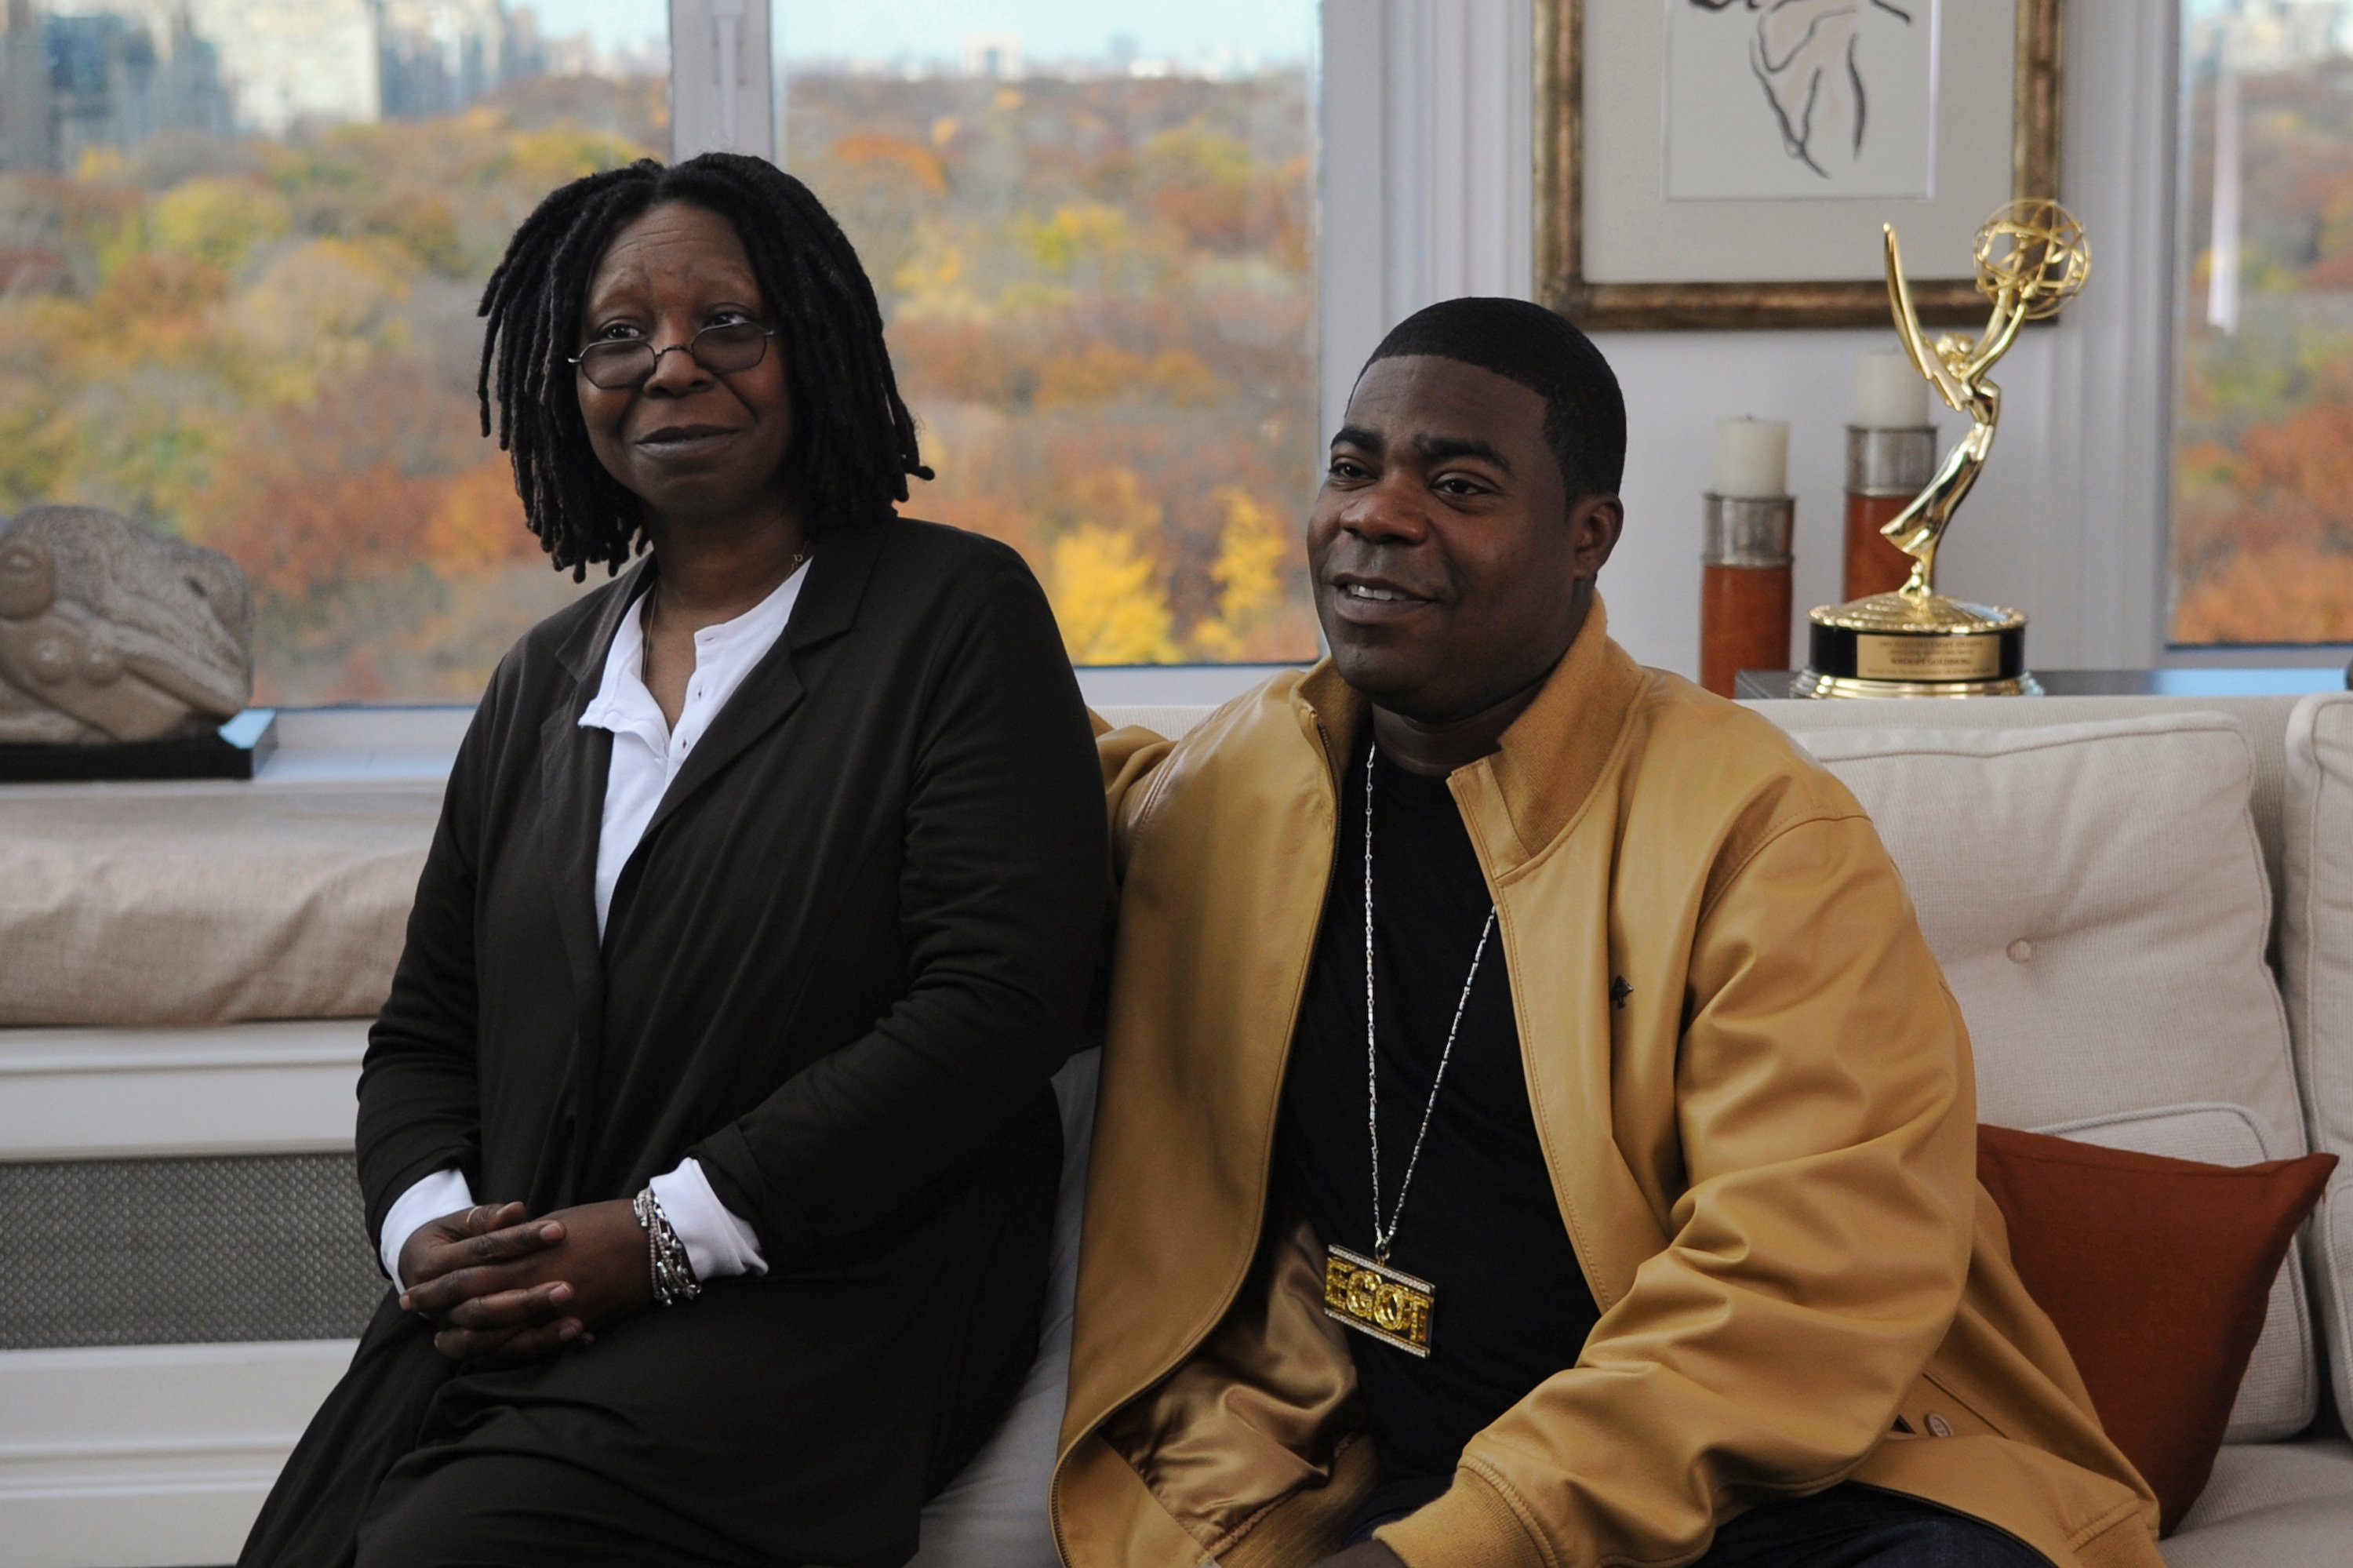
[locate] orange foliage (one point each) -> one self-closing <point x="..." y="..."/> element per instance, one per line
<point x="478" y="523"/>
<point x="2261" y="535"/>
<point x="303" y="526"/>
<point x="2263" y="493"/>
<point x="356" y="486"/>
<point x="916" y="159"/>
<point x="1105" y="372"/>
<point x="2273" y="594"/>
<point x="1097" y="293"/>
<point x="2308" y="456"/>
<point x="966" y="361"/>
<point x="154" y="307"/>
<point x="270" y="346"/>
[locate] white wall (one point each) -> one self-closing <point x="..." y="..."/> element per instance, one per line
<point x="1426" y="103"/>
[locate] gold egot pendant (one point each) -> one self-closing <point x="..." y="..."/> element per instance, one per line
<point x="1374" y="1298"/>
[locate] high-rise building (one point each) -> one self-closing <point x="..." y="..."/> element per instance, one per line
<point x="121" y="71"/>
<point x="28" y="138"/>
<point x="77" y="74"/>
<point x="291" y="60"/>
<point x="439" y="55"/>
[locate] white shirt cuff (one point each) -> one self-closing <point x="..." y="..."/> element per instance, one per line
<point x="443" y="1193"/>
<point x="717" y="1242"/>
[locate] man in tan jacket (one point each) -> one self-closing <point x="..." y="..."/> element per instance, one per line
<point x="1533" y="1131"/>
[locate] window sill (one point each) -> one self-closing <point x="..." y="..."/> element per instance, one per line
<point x="386" y="744"/>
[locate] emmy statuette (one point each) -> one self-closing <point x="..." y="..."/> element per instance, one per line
<point x="2032" y="259"/>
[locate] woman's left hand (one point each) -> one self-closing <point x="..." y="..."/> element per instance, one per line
<point x="498" y="1312"/>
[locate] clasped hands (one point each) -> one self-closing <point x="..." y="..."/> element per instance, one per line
<point x="502" y="1287"/>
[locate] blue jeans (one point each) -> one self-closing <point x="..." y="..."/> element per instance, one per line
<point x="1847" y="1527"/>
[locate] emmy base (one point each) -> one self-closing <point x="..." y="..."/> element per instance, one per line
<point x="1915" y="645"/>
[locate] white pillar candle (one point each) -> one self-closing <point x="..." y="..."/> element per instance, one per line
<point x="1752" y="458"/>
<point x="1889" y="394"/>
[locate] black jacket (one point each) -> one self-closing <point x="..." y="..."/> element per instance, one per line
<point x="853" y="946"/>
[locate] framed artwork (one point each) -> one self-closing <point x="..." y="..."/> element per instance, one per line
<point x="1729" y="163"/>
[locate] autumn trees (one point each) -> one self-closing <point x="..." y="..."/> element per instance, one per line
<point x="1098" y="289"/>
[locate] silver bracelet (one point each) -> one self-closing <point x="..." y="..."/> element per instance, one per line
<point x="666" y="1261"/>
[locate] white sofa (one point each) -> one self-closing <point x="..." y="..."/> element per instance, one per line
<point x="2144" y="906"/>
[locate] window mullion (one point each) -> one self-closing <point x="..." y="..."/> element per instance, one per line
<point x="722" y="86"/>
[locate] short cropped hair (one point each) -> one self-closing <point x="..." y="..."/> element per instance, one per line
<point x="854" y="441"/>
<point x="1585" y="414"/>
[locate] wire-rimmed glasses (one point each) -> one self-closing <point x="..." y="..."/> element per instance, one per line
<point x="618" y="365"/>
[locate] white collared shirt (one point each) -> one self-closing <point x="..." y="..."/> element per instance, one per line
<point x="647" y="755"/>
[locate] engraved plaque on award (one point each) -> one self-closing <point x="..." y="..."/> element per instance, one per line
<point x="2032" y="259"/>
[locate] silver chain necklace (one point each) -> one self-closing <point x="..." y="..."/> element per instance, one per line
<point x="1365" y="1293"/>
<point x="1382" y="1235"/>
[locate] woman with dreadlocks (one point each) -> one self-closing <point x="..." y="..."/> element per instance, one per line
<point x="707" y="1133"/>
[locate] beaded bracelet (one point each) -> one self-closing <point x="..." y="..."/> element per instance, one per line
<point x="672" y="1271"/>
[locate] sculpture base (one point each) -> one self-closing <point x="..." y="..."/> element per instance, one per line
<point x="232" y="751"/>
<point x="1915" y="645"/>
<point x="1807" y="684"/>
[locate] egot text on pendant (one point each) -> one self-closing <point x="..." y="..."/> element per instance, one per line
<point x="1374" y="1298"/>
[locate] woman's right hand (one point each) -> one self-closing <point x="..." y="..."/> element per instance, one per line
<point x="486" y="1251"/>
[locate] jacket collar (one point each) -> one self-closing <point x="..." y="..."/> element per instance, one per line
<point x="828" y="607"/>
<point x="837" y="575"/>
<point x="1522" y="797"/>
<point x="574" y="761"/>
<point x="582" y="653"/>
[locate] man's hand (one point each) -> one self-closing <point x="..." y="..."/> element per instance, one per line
<point x="581" y="1268"/>
<point x="1366" y="1554"/>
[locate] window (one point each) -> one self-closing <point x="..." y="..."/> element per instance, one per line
<point x="1090" y="226"/>
<point x="241" y="242"/>
<point x="2262" y="547"/>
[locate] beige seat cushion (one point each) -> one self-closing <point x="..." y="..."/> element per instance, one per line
<point x="204" y="905"/>
<point x="2099" y="902"/>
<point x="2272" y="1505"/>
<point x="2317" y="967"/>
<point x="1169" y="719"/>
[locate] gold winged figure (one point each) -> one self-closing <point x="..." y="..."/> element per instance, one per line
<point x="2032" y="259"/>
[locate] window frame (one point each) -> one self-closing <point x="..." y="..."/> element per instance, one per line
<point x="2096" y="570"/>
<point x="2174" y="134"/>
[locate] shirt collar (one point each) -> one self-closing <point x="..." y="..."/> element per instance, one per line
<point x="759" y="626"/>
<point x="623" y="705"/>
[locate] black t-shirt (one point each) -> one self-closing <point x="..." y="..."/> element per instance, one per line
<point x="1480" y="1222"/>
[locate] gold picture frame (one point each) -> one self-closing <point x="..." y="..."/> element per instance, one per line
<point x="1561" y="282"/>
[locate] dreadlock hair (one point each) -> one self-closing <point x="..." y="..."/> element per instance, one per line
<point x="854" y="441"/>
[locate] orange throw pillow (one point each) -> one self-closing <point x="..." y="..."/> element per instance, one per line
<point x="2157" y="1272"/>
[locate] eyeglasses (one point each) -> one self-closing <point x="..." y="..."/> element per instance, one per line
<point x="617" y="364"/>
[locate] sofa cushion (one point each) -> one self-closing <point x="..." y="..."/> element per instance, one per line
<point x="2317" y="968"/>
<point x="200" y="904"/>
<point x="2156" y="1272"/>
<point x="2279" y="1505"/>
<point x="2099" y="900"/>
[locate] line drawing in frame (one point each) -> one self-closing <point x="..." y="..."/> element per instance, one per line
<point x="1640" y="303"/>
<point x="1800" y="100"/>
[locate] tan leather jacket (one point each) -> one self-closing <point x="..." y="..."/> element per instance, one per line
<point x="1765" y="1159"/>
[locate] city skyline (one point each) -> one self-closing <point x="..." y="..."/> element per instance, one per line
<point x="933" y="32"/>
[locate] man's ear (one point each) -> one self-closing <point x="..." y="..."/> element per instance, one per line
<point x="1594" y="524"/>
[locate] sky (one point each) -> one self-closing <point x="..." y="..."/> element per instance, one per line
<point x="1264" y="30"/>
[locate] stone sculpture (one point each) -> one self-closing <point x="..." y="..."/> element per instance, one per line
<point x="109" y="632"/>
